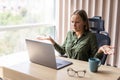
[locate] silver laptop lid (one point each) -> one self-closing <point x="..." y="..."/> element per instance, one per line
<point x="41" y="53"/>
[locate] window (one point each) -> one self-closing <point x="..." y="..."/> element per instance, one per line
<point x="20" y="19"/>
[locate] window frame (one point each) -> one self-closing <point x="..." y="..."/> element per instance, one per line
<point x="29" y="25"/>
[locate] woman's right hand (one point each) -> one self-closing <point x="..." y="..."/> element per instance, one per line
<point x="46" y="38"/>
<point x="43" y="37"/>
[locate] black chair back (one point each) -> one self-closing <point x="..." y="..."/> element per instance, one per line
<point x="97" y="26"/>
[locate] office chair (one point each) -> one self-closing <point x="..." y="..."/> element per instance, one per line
<point x="97" y="26"/>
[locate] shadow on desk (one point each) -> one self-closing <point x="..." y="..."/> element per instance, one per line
<point x="104" y="72"/>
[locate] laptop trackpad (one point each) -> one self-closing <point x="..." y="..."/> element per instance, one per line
<point x="62" y="63"/>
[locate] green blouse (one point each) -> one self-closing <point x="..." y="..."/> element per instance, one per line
<point x="79" y="48"/>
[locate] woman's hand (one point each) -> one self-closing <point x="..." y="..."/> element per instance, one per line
<point x="106" y="49"/>
<point x="46" y="38"/>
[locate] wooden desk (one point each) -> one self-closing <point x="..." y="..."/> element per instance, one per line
<point x="1" y="72"/>
<point x="31" y="71"/>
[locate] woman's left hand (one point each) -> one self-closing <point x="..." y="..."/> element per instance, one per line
<point x="106" y="49"/>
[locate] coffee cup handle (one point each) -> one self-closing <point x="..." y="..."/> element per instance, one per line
<point x="99" y="64"/>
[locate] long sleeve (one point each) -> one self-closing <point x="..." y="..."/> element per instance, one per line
<point x="61" y="49"/>
<point x="99" y="55"/>
<point x="94" y="48"/>
<point x="93" y="45"/>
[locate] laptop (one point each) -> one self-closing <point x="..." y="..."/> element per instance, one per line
<point x="43" y="53"/>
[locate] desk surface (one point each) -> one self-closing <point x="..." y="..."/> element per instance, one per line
<point x="30" y="71"/>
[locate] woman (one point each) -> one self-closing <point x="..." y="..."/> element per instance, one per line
<point x="80" y="43"/>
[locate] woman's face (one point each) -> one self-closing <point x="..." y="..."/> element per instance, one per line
<point x="77" y="23"/>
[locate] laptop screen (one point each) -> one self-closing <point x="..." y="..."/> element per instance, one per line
<point x="43" y="53"/>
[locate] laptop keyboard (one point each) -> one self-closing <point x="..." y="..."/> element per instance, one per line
<point x="58" y="64"/>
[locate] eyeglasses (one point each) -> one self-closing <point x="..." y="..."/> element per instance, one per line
<point x="72" y="73"/>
